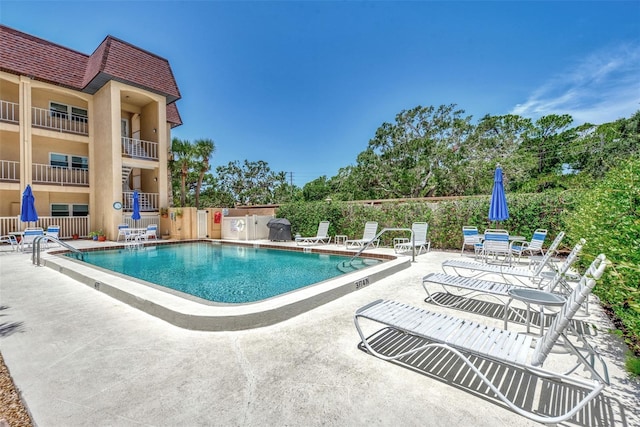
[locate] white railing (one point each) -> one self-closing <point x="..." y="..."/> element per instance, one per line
<point x="9" y="112"/>
<point x="69" y="225"/>
<point x="9" y="170"/>
<point x="62" y="122"/>
<point x="139" y="148"/>
<point x="148" y="201"/>
<point x="46" y="174"/>
<point x="143" y="222"/>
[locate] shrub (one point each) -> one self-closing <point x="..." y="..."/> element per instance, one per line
<point x="608" y="217"/>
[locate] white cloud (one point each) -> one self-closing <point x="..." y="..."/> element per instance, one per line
<point x="601" y="88"/>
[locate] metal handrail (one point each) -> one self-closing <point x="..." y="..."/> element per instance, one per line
<point x="384" y="230"/>
<point x="35" y="248"/>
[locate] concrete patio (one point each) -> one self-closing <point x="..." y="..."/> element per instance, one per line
<point x="80" y="358"/>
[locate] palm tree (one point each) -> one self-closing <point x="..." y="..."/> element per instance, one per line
<point x="203" y="149"/>
<point x="183" y="157"/>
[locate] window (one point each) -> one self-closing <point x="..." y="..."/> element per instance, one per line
<point x="78" y="162"/>
<point x="79" y="114"/>
<point x="59" y="160"/>
<point x="67" y="161"/>
<point x="80" y="210"/>
<point x="63" y="111"/>
<point x="59" y="210"/>
<point x="63" y="209"/>
<point x="58" y="110"/>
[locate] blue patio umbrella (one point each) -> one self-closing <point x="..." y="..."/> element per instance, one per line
<point x="498" y="210"/>
<point x="136" y="206"/>
<point x="28" y="210"/>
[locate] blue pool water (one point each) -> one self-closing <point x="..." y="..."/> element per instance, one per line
<point x="221" y="273"/>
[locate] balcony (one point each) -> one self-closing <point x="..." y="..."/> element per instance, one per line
<point x="46" y="174"/>
<point x="9" y="112"/>
<point x="61" y="122"/>
<point x="9" y="171"/>
<point x="148" y="201"/>
<point x="139" y="149"/>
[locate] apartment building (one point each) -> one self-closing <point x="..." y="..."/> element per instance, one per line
<point x="85" y="131"/>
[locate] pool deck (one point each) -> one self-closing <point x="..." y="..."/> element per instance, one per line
<point x="80" y="357"/>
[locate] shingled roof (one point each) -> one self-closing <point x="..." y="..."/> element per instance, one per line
<point x="114" y="59"/>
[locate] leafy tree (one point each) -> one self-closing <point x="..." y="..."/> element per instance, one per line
<point x="316" y="190"/>
<point x="495" y="140"/>
<point x="252" y="183"/>
<point x="413" y="156"/>
<point x="547" y="140"/>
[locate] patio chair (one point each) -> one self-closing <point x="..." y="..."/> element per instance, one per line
<point x="471" y="237"/>
<point x="150" y="233"/>
<point x="495" y="244"/>
<point x="467" y="288"/>
<point x="478" y="269"/>
<point x="519" y="247"/>
<point x="411" y="333"/>
<point x="29" y="235"/>
<point x="419" y="242"/>
<point x="11" y="240"/>
<point x="368" y="237"/>
<point x="52" y="231"/>
<point x="322" y="236"/>
<point x="123" y="230"/>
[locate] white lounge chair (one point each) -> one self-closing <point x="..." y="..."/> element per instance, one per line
<point x="419" y="242"/>
<point x="478" y="269"/>
<point x="322" y="236"/>
<point x="423" y="335"/>
<point x="467" y="287"/>
<point x="368" y="237"/>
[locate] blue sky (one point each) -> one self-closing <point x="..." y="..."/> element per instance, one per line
<point x="303" y="85"/>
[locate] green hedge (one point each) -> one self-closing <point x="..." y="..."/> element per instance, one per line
<point x="445" y="218"/>
<point x="609" y="216"/>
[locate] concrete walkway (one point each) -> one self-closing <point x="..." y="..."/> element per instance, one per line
<point x="81" y="358"/>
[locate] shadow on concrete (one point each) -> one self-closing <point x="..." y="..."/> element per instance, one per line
<point x="542" y="396"/>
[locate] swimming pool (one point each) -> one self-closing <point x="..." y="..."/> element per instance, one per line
<point x="189" y="312"/>
<point x="223" y="273"/>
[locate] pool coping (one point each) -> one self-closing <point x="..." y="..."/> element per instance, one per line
<point x="194" y="315"/>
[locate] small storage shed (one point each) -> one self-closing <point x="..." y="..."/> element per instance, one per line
<point x="279" y="229"/>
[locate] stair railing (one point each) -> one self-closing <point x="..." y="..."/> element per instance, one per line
<point x="35" y="248"/>
<point x="384" y="230"/>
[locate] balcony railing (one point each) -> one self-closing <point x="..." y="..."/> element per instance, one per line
<point x="46" y="174"/>
<point x="9" y="170"/>
<point x="140" y="149"/>
<point x="9" y="112"/>
<point x="148" y="201"/>
<point x="62" y="122"/>
<point x="69" y="225"/>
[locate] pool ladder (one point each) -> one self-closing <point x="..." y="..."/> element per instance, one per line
<point x="346" y="264"/>
<point x="35" y="248"/>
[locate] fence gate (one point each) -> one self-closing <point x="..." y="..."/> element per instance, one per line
<point x="203" y="229"/>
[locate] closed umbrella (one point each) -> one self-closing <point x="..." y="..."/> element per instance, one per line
<point x="28" y="210"/>
<point x="136" y="206"/>
<point x="498" y="210"/>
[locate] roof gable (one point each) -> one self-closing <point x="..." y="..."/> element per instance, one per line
<point x="114" y="59"/>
